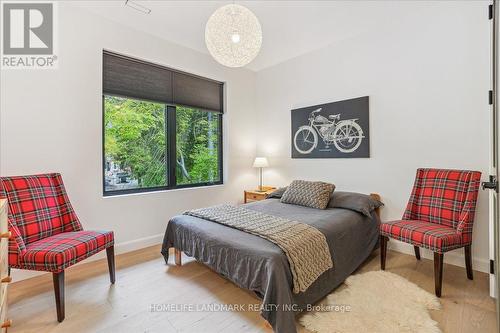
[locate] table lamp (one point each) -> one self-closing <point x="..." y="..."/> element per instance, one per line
<point x="260" y="162"/>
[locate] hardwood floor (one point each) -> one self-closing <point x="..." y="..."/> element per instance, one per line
<point x="142" y="279"/>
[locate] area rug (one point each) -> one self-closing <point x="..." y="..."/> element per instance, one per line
<point x="378" y="302"/>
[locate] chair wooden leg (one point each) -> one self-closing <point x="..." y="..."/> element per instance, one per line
<point x="468" y="261"/>
<point x="58" y="279"/>
<point x="383" y="251"/>
<point x="438" y="272"/>
<point x="417" y="252"/>
<point x="110" y="252"/>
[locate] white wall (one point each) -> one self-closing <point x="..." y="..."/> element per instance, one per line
<point x="51" y="122"/>
<point x="427" y="76"/>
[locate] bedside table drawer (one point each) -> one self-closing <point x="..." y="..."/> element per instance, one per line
<point x="253" y="196"/>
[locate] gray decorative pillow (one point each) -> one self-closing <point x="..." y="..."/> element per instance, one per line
<point x="309" y="194"/>
<point x="357" y="202"/>
<point x="277" y="194"/>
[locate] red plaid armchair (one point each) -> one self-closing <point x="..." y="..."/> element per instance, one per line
<point x="438" y="217"/>
<point x="46" y="233"/>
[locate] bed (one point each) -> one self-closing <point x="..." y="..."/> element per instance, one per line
<point x="260" y="266"/>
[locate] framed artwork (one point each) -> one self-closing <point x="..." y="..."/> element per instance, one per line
<point x="333" y="130"/>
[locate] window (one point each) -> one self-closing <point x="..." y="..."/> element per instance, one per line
<point x="197" y="146"/>
<point x="154" y="144"/>
<point x="134" y="144"/>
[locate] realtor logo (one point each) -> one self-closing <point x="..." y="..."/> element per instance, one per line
<point x="28" y="35"/>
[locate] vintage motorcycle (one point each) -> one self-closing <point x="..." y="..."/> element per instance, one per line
<point x="345" y="135"/>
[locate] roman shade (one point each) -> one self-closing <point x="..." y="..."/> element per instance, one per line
<point x="128" y="77"/>
<point x="193" y="91"/>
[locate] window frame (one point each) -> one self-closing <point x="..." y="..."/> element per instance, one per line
<point x="170" y="149"/>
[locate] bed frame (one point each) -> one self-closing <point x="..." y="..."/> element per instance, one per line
<point x="177" y="252"/>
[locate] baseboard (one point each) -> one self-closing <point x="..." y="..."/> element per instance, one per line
<point x="136" y="244"/>
<point x="453" y="258"/>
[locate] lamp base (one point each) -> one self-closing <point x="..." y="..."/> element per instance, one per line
<point x="264" y="188"/>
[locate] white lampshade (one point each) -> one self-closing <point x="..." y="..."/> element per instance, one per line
<point x="233" y="35"/>
<point x="260" y="162"/>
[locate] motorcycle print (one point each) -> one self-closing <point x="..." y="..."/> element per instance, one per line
<point x="345" y="135"/>
<point x="330" y="126"/>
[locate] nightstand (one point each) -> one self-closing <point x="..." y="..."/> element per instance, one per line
<point x="255" y="195"/>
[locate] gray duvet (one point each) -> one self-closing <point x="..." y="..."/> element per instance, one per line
<point x="258" y="265"/>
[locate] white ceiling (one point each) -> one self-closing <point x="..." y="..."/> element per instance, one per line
<point x="290" y="28"/>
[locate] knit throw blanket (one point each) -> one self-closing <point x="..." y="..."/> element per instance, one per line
<point x="305" y="246"/>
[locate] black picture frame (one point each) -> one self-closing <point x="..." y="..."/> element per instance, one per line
<point x="332" y="130"/>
